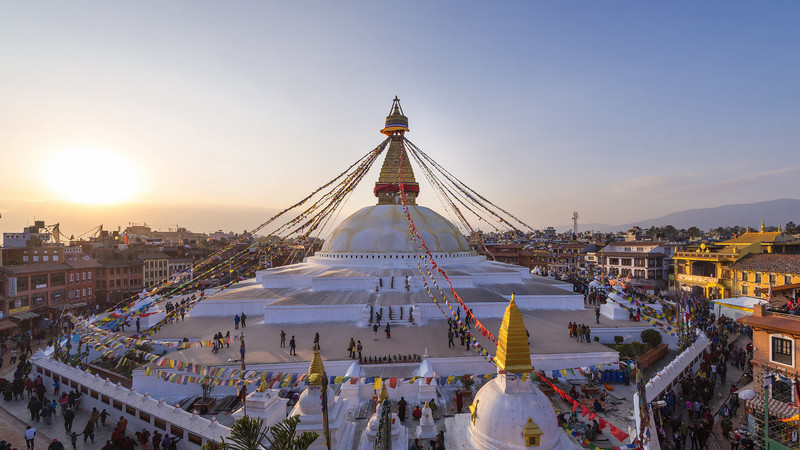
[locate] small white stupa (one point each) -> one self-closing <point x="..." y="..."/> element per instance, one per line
<point x="309" y="408"/>
<point x="399" y="433"/>
<point x="509" y="412"/>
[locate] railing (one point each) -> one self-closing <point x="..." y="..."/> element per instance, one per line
<point x="697" y="278"/>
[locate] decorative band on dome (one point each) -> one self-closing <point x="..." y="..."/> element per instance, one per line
<point x="395" y="187"/>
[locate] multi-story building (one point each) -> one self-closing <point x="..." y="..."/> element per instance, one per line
<point x="776" y="336"/>
<point x="641" y="262"/>
<point x="118" y="280"/>
<point x="758" y="275"/>
<point x="31" y="246"/>
<point x="565" y="259"/>
<point x="705" y="269"/>
<point x="156" y="268"/>
<point x="81" y="284"/>
<point x="31" y="289"/>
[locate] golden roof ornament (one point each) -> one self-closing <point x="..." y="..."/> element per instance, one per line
<point x="513" y="352"/>
<point x="388" y="187"/>
<point x="384" y="393"/>
<point x="316" y="370"/>
<point x="532" y="434"/>
<point x="763" y="228"/>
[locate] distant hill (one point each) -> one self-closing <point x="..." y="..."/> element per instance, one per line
<point x="772" y="212"/>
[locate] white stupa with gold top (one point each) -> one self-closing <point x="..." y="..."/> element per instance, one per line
<point x="309" y="408"/>
<point x="509" y="412"/>
<point x="398" y="432"/>
<point x="370" y="260"/>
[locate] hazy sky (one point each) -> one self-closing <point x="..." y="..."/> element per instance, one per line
<point x="215" y="114"/>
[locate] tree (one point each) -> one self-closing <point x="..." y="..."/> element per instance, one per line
<point x="651" y="337"/>
<point x="248" y="433"/>
<point x="693" y="232"/>
<point x="791" y="228"/>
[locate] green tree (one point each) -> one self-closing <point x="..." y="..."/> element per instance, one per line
<point x="248" y="433"/>
<point x="651" y="337"/>
<point x="791" y="228"/>
<point x="693" y="232"/>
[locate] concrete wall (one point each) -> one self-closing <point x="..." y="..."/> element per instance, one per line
<point x="141" y="409"/>
<point x="229" y="308"/>
<point x="312" y="313"/>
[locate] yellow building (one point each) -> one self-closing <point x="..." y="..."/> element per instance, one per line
<point x="753" y="275"/>
<point x="706" y="269"/>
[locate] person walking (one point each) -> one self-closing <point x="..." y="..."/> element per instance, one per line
<point x="588" y="335"/>
<point x="450" y="336"/>
<point x="55" y="445"/>
<point x="69" y="416"/>
<point x="244" y="320"/>
<point x="156" y="440"/>
<point x="103" y="416"/>
<point x="388" y="330"/>
<point x="351" y="349"/>
<point x="375" y="331"/>
<point x="292" y="347"/>
<point x="597" y="314"/>
<point x="359" y="347"/>
<point x="88" y="431"/>
<point x="283" y="338"/>
<point x="29" y="434"/>
<point x="236" y="320"/>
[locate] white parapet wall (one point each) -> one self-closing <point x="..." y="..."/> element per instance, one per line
<point x="670" y="375"/>
<point x="139" y="408"/>
<point x="312" y="313"/>
<point x="228" y="308"/>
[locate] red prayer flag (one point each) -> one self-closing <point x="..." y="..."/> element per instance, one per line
<point x="619" y="434"/>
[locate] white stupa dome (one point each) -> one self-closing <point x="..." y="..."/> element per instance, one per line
<point x="501" y="418"/>
<point x="309" y="402"/>
<point x="384" y="229"/>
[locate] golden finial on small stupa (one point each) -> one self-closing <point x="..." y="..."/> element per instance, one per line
<point x="384" y="393"/>
<point x="316" y="370"/>
<point x="762" y="226"/>
<point x="513" y="352"/>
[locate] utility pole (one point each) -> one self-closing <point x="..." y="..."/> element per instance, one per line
<point x="575" y="223"/>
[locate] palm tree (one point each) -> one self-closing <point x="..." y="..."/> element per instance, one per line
<point x="248" y="433"/>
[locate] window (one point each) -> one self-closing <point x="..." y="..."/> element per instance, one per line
<point x="744" y="289"/>
<point x="35" y="258"/>
<point x="787" y="279"/>
<point x="57" y="279"/>
<point x="744" y="277"/>
<point x="782" y="350"/>
<point x="90" y="276"/>
<point x="758" y="277"/>
<point x="90" y="292"/>
<point x="55" y="257"/>
<point x="83" y="278"/>
<point x="773" y="279"/>
<point x="72" y="278"/>
<point x="84" y="292"/>
<point x="46" y="258"/>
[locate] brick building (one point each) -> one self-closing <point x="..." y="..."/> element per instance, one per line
<point x="775" y="343"/>
<point x="117" y="280"/>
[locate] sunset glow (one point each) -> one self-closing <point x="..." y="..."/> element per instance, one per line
<point x="92" y="176"/>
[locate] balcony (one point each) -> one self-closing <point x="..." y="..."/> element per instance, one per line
<point x="696" y="278"/>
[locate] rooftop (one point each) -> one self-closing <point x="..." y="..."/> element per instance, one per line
<point x="769" y="262"/>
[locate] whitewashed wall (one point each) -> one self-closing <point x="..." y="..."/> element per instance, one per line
<point x="93" y="386"/>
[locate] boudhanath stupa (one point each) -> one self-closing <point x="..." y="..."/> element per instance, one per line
<point x="369" y="261"/>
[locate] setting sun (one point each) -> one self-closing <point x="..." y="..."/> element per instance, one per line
<point x="92" y="176"/>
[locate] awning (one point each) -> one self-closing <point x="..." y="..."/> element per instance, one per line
<point x="69" y="305"/>
<point x="6" y="324"/>
<point x="776" y="408"/>
<point x="745" y="387"/>
<point x="24" y="316"/>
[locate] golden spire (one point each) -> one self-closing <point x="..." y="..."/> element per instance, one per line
<point x="384" y="393"/>
<point x="387" y="189"/>
<point x="762" y="226"/>
<point x="780" y="230"/>
<point x="513" y="352"/>
<point x="316" y="370"/>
